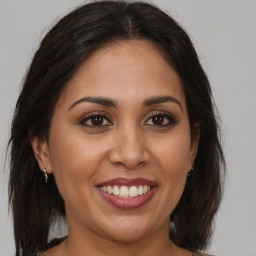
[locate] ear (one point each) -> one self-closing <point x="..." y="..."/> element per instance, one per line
<point x="41" y="152"/>
<point x="194" y="144"/>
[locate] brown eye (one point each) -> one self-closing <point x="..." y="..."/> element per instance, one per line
<point x="161" y="120"/>
<point x="95" y="120"/>
<point x="157" y="120"/>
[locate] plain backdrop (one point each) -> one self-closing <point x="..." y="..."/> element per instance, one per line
<point x="224" y="34"/>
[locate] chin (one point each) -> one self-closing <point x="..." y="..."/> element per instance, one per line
<point x="127" y="231"/>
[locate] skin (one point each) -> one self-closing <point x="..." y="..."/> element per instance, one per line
<point x="127" y="144"/>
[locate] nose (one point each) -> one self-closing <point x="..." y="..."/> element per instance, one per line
<point x="129" y="149"/>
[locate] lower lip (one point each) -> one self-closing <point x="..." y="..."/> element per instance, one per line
<point x="128" y="203"/>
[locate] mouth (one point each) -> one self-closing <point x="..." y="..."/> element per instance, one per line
<point x="127" y="193"/>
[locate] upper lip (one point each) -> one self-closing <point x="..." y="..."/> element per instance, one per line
<point x="128" y="182"/>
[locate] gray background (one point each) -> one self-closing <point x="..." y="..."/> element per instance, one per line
<point x="224" y="34"/>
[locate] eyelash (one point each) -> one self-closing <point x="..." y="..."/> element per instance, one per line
<point x="170" y="118"/>
<point x="92" y="115"/>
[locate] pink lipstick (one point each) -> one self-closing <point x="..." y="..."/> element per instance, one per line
<point x="127" y="193"/>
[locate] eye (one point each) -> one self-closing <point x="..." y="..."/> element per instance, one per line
<point x="94" y="120"/>
<point x="161" y="120"/>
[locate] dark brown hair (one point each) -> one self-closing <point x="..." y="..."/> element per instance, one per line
<point x="73" y="39"/>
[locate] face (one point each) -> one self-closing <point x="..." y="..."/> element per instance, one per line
<point x="120" y="143"/>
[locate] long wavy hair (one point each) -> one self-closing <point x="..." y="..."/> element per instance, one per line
<point x="35" y="205"/>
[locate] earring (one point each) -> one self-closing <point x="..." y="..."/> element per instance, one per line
<point x="45" y="175"/>
<point x="189" y="173"/>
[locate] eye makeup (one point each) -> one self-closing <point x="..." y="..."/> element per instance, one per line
<point x="157" y="119"/>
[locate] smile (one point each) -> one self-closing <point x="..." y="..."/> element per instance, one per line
<point x="127" y="193"/>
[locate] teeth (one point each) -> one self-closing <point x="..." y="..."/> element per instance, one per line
<point x="123" y="191"/>
<point x="110" y="190"/>
<point x="126" y="192"/>
<point x="116" y="191"/>
<point x="133" y="191"/>
<point x="140" y="190"/>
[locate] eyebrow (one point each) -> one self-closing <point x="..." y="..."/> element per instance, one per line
<point x="107" y="102"/>
<point x="98" y="100"/>
<point x="161" y="99"/>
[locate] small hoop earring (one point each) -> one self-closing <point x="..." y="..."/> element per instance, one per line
<point x="45" y="175"/>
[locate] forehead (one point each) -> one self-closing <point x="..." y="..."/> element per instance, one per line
<point x="126" y="70"/>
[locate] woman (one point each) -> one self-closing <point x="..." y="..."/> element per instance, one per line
<point x="115" y="130"/>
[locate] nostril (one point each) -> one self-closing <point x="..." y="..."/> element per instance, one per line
<point x="129" y="153"/>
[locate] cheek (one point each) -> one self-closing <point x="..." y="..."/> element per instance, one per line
<point x="74" y="161"/>
<point x="173" y="158"/>
<point x="173" y="153"/>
